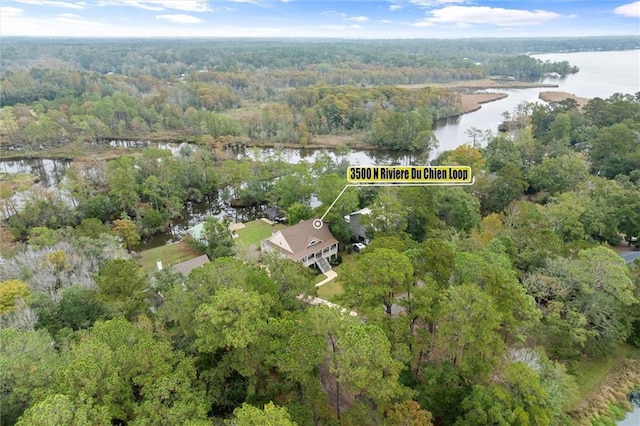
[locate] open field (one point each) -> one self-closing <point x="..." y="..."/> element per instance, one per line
<point x="170" y="254"/>
<point x="561" y="96"/>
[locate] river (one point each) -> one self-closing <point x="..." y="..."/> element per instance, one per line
<point x="632" y="418"/>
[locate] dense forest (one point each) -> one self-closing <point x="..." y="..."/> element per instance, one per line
<point x="60" y="92"/>
<point x="471" y="305"/>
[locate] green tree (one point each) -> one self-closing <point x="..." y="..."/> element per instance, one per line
<point x="92" y="228"/>
<point x="219" y="239"/>
<point x="468" y="331"/>
<point x="517" y="399"/>
<point x="40" y="237"/>
<point x="271" y="415"/>
<point x="122" y="287"/>
<point x="377" y="278"/>
<point x="293" y="186"/>
<point x="60" y="409"/>
<point x="77" y="309"/>
<point x="10" y="292"/>
<point x="362" y="362"/>
<point x="122" y="183"/>
<point x="508" y="186"/>
<point x="136" y="377"/>
<point x="235" y="318"/>
<point x="599" y="287"/>
<point x="442" y="390"/>
<point x="491" y="269"/>
<point x="558" y="174"/>
<point x="434" y="258"/>
<point x="329" y="187"/>
<point x="128" y="232"/>
<point x="298" y="212"/>
<point x="28" y="361"/>
<point x="388" y="216"/>
<point x="458" y="209"/>
<point x="293" y="279"/>
<point x="500" y="153"/>
<point x="409" y="413"/>
<point x="616" y="150"/>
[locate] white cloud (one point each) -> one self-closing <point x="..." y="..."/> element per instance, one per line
<point x="54" y="3"/>
<point x="422" y="24"/>
<point x="340" y="27"/>
<point x="344" y="16"/>
<point x="180" y="19"/>
<point x="255" y="2"/>
<point x="72" y="18"/>
<point x="631" y="10"/>
<point x="432" y="3"/>
<point x="485" y="15"/>
<point x="10" y="12"/>
<point x="157" y="5"/>
<point x="394" y="7"/>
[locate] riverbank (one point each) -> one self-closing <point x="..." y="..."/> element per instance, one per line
<point x="622" y="376"/>
<point x="486" y="83"/>
<point x="473" y="101"/>
<point x="68" y="153"/>
<point x="551" y="97"/>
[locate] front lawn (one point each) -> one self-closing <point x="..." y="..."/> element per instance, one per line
<point x="330" y="289"/>
<point x="334" y="288"/>
<point x="170" y="254"/>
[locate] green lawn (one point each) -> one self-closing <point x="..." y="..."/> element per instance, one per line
<point x="334" y="288"/>
<point x="170" y="255"/>
<point x="254" y="232"/>
<point x="589" y="372"/>
<point x="330" y="289"/>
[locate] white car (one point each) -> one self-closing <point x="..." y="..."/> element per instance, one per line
<point x="358" y="247"/>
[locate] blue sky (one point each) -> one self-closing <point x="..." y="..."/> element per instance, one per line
<point x="311" y="18"/>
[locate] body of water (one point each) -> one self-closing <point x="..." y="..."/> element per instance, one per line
<point x="632" y="418"/>
<point x="601" y="75"/>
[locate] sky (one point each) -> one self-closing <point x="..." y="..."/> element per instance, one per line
<point x="357" y="19"/>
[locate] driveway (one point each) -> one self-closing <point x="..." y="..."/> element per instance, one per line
<point x="630" y="256"/>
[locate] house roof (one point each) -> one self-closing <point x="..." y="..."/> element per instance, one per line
<point x="186" y="267"/>
<point x="365" y="210"/>
<point x="273" y="212"/>
<point x="197" y="231"/>
<point x="302" y="239"/>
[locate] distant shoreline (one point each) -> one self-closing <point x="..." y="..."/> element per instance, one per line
<point x="481" y="84"/>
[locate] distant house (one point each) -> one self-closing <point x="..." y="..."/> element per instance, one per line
<point x="303" y="243"/>
<point x="274" y="214"/>
<point x="355" y="224"/>
<point x="185" y="268"/>
<point x="197" y="232"/>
